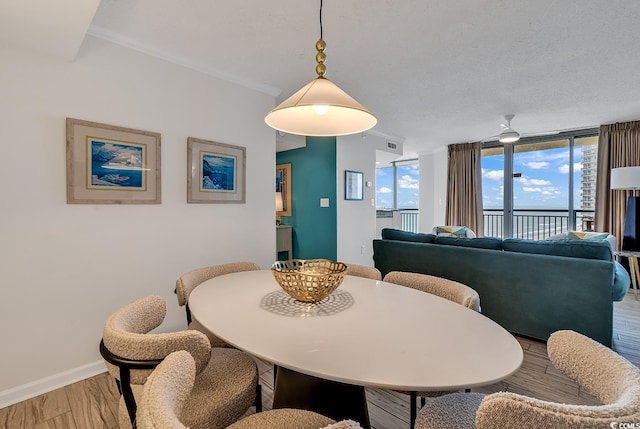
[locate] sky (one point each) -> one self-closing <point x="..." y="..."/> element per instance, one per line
<point x="543" y="184"/>
<point x="407" y="187"/>
<point x="544" y="181"/>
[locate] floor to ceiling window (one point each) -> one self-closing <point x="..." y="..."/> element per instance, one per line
<point x="540" y="187"/>
<point x="397" y="190"/>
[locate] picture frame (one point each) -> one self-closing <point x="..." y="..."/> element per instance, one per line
<point x="216" y="172"/>
<point x="107" y="164"/>
<point x="353" y="185"/>
<point x="283" y="185"/>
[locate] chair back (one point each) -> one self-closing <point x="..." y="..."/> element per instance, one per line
<point x="600" y="371"/>
<point x="131" y="353"/>
<point x="363" y="271"/>
<point x="125" y="335"/>
<point x="187" y="282"/>
<point x="166" y="391"/>
<point x="444" y="288"/>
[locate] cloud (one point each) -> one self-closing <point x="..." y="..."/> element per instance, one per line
<point x="533" y="182"/>
<point x="385" y="190"/>
<point x="536" y="165"/>
<point x="544" y="190"/>
<point x="407" y="182"/>
<point x="494" y="174"/>
<point x="564" y="169"/>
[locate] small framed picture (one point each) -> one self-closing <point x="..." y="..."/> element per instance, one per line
<point x="111" y="165"/>
<point x="216" y="172"/>
<point x="283" y="185"/>
<point x="353" y="185"/>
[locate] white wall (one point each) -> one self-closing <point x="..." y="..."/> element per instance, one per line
<point x="356" y="219"/>
<point x="433" y="189"/>
<point x="65" y="268"/>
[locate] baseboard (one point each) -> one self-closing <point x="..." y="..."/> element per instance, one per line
<point x="47" y="384"/>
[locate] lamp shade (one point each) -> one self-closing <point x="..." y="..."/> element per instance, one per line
<point x="320" y="109"/>
<point x="625" y="178"/>
<point x="279" y="202"/>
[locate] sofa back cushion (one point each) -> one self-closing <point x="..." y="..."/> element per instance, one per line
<point x="490" y="243"/>
<point x="570" y="248"/>
<point x="397" y="234"/>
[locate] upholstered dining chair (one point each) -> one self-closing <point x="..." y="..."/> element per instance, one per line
<point x="612" y="379"/>
<point x="363" y="271"/>
<point x="444" y="288"/>
<point x="187" y="282"/>
<point x="168" y="387"/>
<point x="225" y="382"/>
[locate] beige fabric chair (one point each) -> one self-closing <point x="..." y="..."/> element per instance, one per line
<point x="187" y="282"/>
<point x="363" y="271"/>
<point x="225" y="382"/>
<point x="444" y="288"/>
<point x="600" y="371"/>
<point x="448" y="289"/>
<point x="167" y="389"/>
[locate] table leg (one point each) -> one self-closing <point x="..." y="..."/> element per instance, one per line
<point x="335" y="400"/>
<point x="635" y="274"/>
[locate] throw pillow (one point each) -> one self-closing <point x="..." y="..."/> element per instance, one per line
<point x="451" y="231"/>
<point x="591" y="236"/>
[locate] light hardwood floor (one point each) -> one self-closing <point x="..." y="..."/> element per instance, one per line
<point x="93" y="403"/>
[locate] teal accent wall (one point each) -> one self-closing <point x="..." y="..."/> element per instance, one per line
<point x="313" y="171"/>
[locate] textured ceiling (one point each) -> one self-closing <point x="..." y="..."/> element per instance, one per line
<point x="51" y="27"/>
<point x="433" y="72"/>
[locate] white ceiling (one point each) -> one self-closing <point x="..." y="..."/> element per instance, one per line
<point x="433" y="72"/>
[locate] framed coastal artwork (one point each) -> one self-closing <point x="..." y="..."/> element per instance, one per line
<point x="283" y="185"/>
<point x="107" y="164"/>
<point x="216" y="172"/>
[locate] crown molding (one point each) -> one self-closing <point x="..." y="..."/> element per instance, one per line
<point x="109" y="36"/>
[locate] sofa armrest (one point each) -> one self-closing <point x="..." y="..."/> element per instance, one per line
<point x="621" y="282"/>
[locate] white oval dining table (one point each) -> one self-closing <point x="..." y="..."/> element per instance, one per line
<point x="366" y="333"/>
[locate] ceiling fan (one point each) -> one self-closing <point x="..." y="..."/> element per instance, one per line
<point x="509" y="135"/>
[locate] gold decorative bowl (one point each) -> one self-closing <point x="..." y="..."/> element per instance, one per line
<point x="309" y="280"/>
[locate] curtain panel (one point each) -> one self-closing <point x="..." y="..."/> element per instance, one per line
<point x="618" y="146"/>
<point x="464" y="187"/>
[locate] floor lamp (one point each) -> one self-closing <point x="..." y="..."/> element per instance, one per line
<point x="626" y="178"/>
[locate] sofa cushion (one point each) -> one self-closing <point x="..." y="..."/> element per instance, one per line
<point x="480" y="243"/>
<point x="453" y="231"/>
<point x="397" y="234"/>
<point x="570" y="248"/>
<point x="590" y="236"/>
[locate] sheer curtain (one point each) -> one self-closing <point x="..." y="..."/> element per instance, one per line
<point x="464" y="187"/>
<point x="618" y="146"/>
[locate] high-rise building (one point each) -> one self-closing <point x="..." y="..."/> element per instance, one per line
<point x="588" y="181"/>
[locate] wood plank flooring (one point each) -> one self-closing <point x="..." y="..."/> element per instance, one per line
<point x="93" y="403"/>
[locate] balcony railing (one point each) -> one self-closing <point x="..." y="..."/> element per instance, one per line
<point x="536" y="224"/>
<point x="527" y="224"/>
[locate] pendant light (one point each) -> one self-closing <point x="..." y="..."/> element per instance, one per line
<point x="320" y="108"/>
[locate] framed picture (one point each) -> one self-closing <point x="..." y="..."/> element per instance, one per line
<point x="353" y="185"/>
<point x="216" y="172"/>
<point x="283" y="185"/>
<point x="111" y="165"/>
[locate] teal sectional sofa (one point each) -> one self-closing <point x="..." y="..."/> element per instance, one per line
<point x="531" y="288"/>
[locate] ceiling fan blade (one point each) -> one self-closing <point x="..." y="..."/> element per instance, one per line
<point x="490" y="139"/>
<point x="544" y="133"/>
